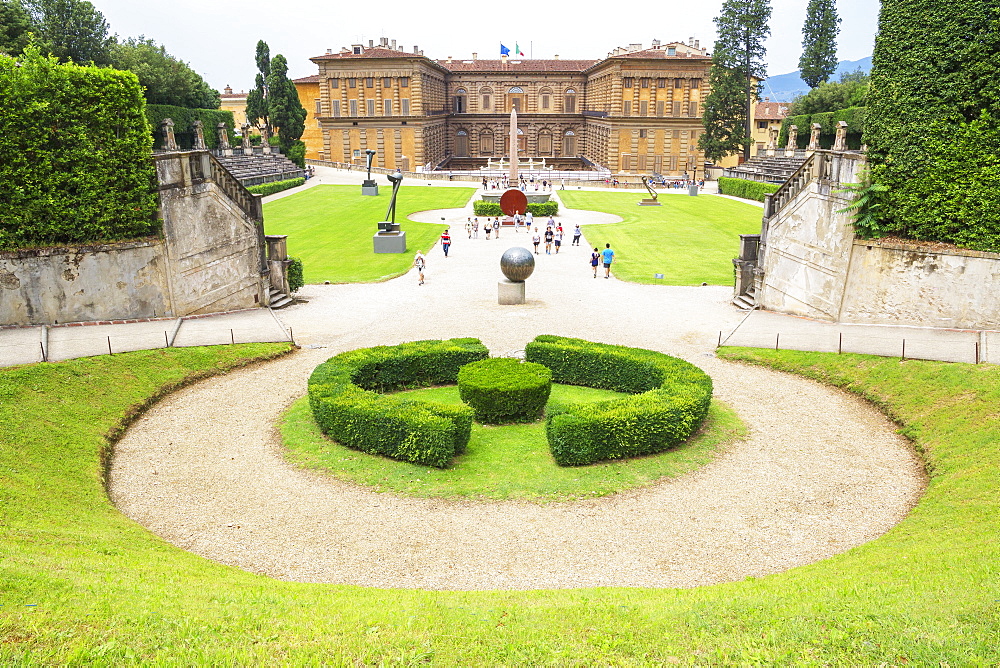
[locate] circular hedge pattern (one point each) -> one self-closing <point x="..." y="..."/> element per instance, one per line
<point x="502" y="390"/>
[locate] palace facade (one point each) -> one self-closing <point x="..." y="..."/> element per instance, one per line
<point x="637" y="110"/>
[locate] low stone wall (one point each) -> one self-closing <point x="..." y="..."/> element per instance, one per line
<point x="905" y="284"/>
<point x="73" y="284"/>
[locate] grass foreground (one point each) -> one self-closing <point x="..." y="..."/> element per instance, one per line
<point x="330" y="229"/>
<point x="505" y="462"/>
<point x="690" y="240"/>
<point x="82" y="584"/>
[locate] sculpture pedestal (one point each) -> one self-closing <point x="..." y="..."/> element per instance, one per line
<point x="649" y="202"/>
<point x="369" y="188"/>
<point x="390" y="242"/>
<point x="693" y="191"/>
<point x="510" y="292"/>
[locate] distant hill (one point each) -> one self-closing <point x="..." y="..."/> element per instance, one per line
<point x="785" y="87"/>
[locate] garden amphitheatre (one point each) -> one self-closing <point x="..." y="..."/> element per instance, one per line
<point x="798" y="524"/>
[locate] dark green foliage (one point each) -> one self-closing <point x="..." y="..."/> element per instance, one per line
<point x="183" y="117"/>
<point x="345" y="400"/>
<point x="15" y="25"/>
<point x="865" y="209"/>
<point x="738" y="60"/>
<point x="71" y="30"/>
<point x="297" y="153"/>
<point x="672" y="399"/>
<point x="850" y="91"/>
<point x="275" y="186"/>
<point x="257" y="102"/>
<point x="855" y="117"/>
<point x="166" y="79"/>
<point x="75" y="155"/>
<point x="819" y="42"/>
<point x="285" y="111"/>
<point x="502" y="390"/>
<point x="934" y="120"/>
<point x="295" y="274"/>
<point x="481" y="208"/>
<point x="754" y="190"/>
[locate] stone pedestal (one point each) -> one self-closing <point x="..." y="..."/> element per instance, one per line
<point x="510" y="292"/>
<point x="693" y="191"/>
<point x="649" y="202"/>
<point x="389" y="238"/>
<point x="369" y="188"/>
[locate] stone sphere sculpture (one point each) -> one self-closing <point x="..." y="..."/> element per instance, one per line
<point x="517" y="263"/>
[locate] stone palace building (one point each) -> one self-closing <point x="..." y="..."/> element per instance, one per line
<point x="637" y="110"/>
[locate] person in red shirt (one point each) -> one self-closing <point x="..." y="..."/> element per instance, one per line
<point x="445" y="242"/>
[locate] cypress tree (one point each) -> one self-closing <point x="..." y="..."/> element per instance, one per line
<point x="257" y="99"/>
<point x="933" y="123"/>
<point x="742" y="27"/>
<point x="286" y="111"/>
<point x="819" y="42"/>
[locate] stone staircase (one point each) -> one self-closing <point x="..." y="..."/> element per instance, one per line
<point x="278" y="299"/>
<point x="766" y="169"/>
<point x="748" y="300"/>
<point x="252" y="170"/>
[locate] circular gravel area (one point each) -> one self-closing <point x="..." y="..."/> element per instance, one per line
<point x="820" y="471"/>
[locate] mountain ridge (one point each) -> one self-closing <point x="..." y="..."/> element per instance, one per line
<point x="785" y="87"/>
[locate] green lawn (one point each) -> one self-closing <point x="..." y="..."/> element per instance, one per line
<point x="80" y="584"/>
<point x="330" y="228"/>
<point x="690" y="240"/>
<point x="509" y="462"/>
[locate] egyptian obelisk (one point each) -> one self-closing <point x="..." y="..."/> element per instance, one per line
<point x="513" y="148"/>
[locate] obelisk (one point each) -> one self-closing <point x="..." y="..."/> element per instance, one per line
<point x="513" y="148"/>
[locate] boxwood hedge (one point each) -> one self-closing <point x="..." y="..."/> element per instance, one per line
<point x="481" y="208"/>
<point x="502" y="390"/>
<point x="346" y="400"/>
<point x="745" y="188"/>
<point x="671" y="400"/>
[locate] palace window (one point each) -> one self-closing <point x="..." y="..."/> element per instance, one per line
<point x="671" y="50"/>
<point x="570" y="103"/>
<point x="678" y="83"/>
<point x="336" y="108"/>
<point x="369" y="82"/>
<point x="693" y="109"/>
<point x="661" y="82"/>
<point x="628" y="82"/>
<point x="643" y="108"/>
<point x="352" y="82"/>
<point x="516" y="96"/>
<point x="404" y="107"/>
<point x="695" y="83"/>
<point x="462" y="143"/>
<point x="486" y="143"/>
<point x="660" y="106"/>
<point x="544" y="101"/>
<point x="386" y="82"/>
<point x="370" y="107"/>
<point x="486" y="102"/>
<point x="460" y="101"/>
<point x="676" y="109"/>
<point x="642" y="134"/>
<point x="644" y="82"/>
<point x="354" y="107"/>
<point x="387" y="107"/>
<point x="545" y="143"/>
<point x="404" y="82"/>
<point x="569" y="143"/>
<point x="761" y="125"/>
<point x="319" y="107"/>
<point x="627" y="108"/>
<point x="334" y="83"/>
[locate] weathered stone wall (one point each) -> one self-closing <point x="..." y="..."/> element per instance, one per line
<point x="105" y="282"/>
<point x="813" y="266"/>
<point x="211" y="258"/>
<point x="905" y="284"/>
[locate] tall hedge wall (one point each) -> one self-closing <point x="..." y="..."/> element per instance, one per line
<point x="75" y="158"/>
<point x="183" y="118"/>
<point x="855" y="117"/>
<point x="933" y="127"/>
<point x="745" y="188"/>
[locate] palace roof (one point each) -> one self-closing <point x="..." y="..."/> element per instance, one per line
<point x="771" y="111"/>
<point x="516" y="65"/>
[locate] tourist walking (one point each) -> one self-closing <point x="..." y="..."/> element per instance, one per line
<point x="488" y="227"/>
<point x="419" y="262"/>
<point x="576" y="234"/>
<point x="468" y="226"/>
<point x="595" y="259"/>
<point x="607" y="255"/>
<point x="445" y="242"/>
<point x="549" y="234"/>
<point x="496" y="227"/>
<point x="559" y="238"/>
<point x="537" y="240"/>
<point x="475" y="228"/>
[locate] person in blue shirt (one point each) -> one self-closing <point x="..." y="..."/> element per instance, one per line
<point x="607" y="255"/>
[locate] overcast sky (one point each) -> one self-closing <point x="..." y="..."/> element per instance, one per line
<point x="218" y="37"/>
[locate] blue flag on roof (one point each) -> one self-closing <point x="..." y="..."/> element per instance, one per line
<point x="504" y="51"/>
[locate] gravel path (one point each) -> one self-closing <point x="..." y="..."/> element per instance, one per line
<point x="819" y="473"/>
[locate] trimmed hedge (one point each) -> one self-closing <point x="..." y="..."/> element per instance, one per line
<point x="481" y="208"/>
<point x="502" y="390"/>
<point x="296" y="278"/>
<point x="754" y="190"/>
<point x="75" y="155"/>
<point x="671" y="400"/>
<point x="266" y="189"/>
<point x="344" y="394"/>
<point x="183" y="117"/>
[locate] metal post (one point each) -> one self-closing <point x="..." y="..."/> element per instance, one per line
<point x="840" y="343"/>
<point x="232" y="337"/>
<point x="166" y="339"/>
<point x="109" y="346"/>
<point x="776" y="337"/>
<point x="42" y="346"/>
<point x="977" y="352"/>
<point x="291" y="336"/>
<point x="903" y="358"/>
<point x="720" y="340"/>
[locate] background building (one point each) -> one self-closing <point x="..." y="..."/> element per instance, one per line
<point x="637" y="110"/>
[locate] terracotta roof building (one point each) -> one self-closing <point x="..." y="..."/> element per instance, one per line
<point x="637" y="110"/>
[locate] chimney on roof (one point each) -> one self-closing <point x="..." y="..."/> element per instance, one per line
<point x="656" y="44"/>
<point x="475" y="55"/>
<point x="557" y="56"/>
<point x="416" y="50"/>
<point x="393" y="45"/>
<point x="632" y="48"/>
<point x="448" y="60"/>
<point x="227" y="90"/>
<point x="690" y="41"/>
<point x="371" y="44"/>
<point x="329" y="52"/>
<point x="697" y="44"/>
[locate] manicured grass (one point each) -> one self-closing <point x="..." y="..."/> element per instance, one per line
<point x="330" y="228"/>
<point x="81" y="584"/>
<point x="509" y="462"/>
<point x="690" y="240"/>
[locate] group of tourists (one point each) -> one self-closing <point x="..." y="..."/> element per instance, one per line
<point x="524" y="184"/>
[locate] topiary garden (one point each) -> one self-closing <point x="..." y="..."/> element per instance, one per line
<point x="667" y="398"/>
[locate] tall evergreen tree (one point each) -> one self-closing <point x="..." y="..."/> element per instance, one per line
<point x="287" y="112"/>
<point x="257" y="100"/>
<point x="71" y="30"/>
<point x="15" y="25"/>
<point x="739" y="48"/>
<point x="819" y="42"/>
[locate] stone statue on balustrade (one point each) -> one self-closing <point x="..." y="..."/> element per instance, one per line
<point x="840" y="143"/>
<point x="247" y="147"/>
<point x="199" y="135"/>
<point x="814" y="137"/>
<point x="223" y="134"/>
<point x="169" y="141"/>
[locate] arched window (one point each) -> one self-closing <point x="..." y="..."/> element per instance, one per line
<point x="486" y="142"/>
<point x="569" y="144"/>
<point x="461" y="105"/>
<point x="516" y="97"/>
<point x="544" y="143"/>
<point x="569" y="101"/>
<point x="462" y="143"/>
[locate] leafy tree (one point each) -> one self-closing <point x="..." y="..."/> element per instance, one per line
<point x="166" y="79"/>
<point x="850" y="92"/>
<point x="15" y="27"/>
<point x="286" y="111"/>
<point x="819" y="42"/>
<point x="257" y="99"/>
<point x="71" y="30"/>
<point x="742" y="27"/>
<point x="933" y="122"/>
